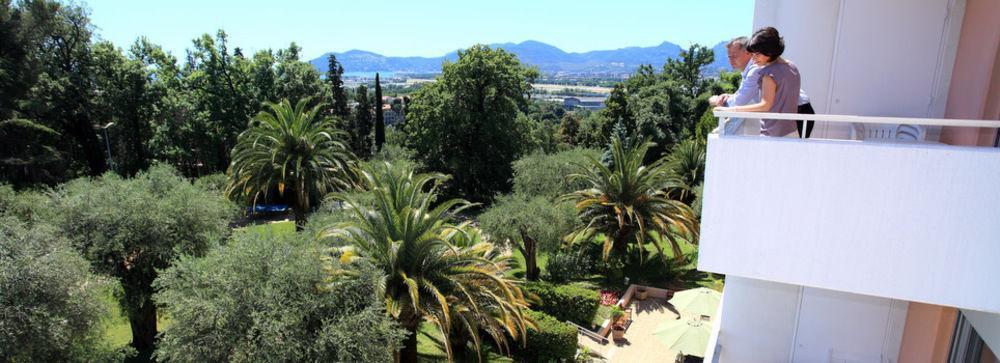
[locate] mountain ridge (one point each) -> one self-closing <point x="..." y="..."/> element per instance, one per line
<point x="548" y="58"/>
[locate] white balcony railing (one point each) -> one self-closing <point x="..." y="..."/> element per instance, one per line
<point x="910" y="221"/>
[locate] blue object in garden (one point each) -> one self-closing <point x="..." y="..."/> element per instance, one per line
<point x="269" y="208"/>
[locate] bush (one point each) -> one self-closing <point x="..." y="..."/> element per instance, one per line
<point x="51" y="305"/>
<point x="546" y="174"/>
<point x="569" y="265"/>
<point x="538" y="218"/>
<point x="552" y="341"/>
<point x="565" y="302"/>
<point x="217" y="182"/>
<point x="131" y="228"/>
<point x="27" y="206"/>
<point x="257" y="299"/>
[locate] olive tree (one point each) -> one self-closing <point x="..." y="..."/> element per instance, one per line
<point x="530" y="224"/>
<point x="259" y="298"/>
<point x="131" y="228"/>
<point x="50" y="303"/>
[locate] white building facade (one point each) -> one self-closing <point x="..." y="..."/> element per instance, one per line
<point x="840" y="250"/>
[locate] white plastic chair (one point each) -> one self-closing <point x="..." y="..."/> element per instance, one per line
<point x="888" y="133"/>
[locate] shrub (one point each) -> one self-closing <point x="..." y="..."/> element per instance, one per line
<point x="569" y="265"/>
<point x="27" y="206"/>
<point x="565" y="302"/>
<point x="546" y="174"/>
<point x="214" y="182"/>
<point x="51" y="305"/>
<point x="552" y="340"/>
<point x="533" y="225"/>
<point x="257" y="299"/>
<point x="131" y="228"/>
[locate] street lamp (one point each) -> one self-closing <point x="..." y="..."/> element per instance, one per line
<point x="107" y="143"/>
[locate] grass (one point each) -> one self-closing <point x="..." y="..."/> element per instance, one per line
<point x="430" y="346"/>
<point x="117" y="329"/>
<point x="278" y="227"/>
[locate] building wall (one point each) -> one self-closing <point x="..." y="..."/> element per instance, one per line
<point x="837" y="325"/>
<point x="757" y="322"/>
<point x="764" y="321"/>
<point x="927" y="333"/>
<point x="868" y="57"/>
<point x="975" y="83"/>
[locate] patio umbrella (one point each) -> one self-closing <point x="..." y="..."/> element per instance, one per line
<point x="700" y="301"/>
<point x="687" y="336"/>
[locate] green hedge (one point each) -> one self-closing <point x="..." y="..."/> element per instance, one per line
<point x="553" y="341"/>
<point x="565" y="302"/>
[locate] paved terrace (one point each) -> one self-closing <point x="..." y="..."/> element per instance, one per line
<point x="640" y="344"/>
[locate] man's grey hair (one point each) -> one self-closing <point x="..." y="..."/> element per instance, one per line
<point x="739" y="42"/>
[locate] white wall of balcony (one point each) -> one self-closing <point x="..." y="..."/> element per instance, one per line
<point x="913" y="222"/>
<point x="774" y="322"/>
<point x="869" y="57"/>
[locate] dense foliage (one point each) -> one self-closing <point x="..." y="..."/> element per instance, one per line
<point x="565" y="302"/>
<point x="294" y="151"/>
<point x="61" y="88"/>
<point x="550" y="341"/>
<point x="466" y="124"/>
<point x="51" y="305"/>
<point x="532" y="225"/>
<point x="432" y="270"/>
<point x="258" y="299"/>
<point x="628" y="201"/>
<point x="546" y="175"/>
<point x="131" y="228"/>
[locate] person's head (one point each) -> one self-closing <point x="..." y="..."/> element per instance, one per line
<point x="766" y="45"/>
<point x="736" y="49"/>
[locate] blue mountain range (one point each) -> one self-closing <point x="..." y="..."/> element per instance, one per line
<point x="549" y="59"/>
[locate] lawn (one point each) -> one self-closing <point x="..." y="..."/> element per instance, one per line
<point x="279" y="227"/>
<point x="430" y="346"/>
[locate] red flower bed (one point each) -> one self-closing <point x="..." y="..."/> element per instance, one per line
<point x="610" y="297"/>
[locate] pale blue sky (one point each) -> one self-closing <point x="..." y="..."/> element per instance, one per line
<point x="421" y="28"/>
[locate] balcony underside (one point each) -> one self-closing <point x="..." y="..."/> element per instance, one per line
<point x="914" y="222"/>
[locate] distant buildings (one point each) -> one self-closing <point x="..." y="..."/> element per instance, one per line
<point x="586" y="103"/>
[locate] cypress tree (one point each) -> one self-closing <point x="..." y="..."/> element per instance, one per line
<point x="379" y="117"/>
<point x="362" y="122"/>
<point x="334" y="75"/>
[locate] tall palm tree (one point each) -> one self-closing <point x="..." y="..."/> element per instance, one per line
<point x="292" y="150"/>
<point x="433" y="270"/>
<point x="687" y="167"/>
<point x="628" y="201"/>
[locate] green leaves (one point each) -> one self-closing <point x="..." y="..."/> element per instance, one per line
<point x="628" y="201"/>
<point x="432" y="269"/>
<point x="466" y="123"/>
<point x="295" y="151"/>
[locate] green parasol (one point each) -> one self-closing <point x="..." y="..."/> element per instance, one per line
<point x="700" y="301"/>
<point x="687" y="336"/>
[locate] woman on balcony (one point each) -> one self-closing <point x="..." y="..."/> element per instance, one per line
<point x="779" y="83"/>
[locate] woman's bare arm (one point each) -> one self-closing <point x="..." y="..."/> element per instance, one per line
<point x="767" y="91"/>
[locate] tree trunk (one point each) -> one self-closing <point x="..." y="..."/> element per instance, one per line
<point x="300" y="218"/>
<point x="143" y="323"/>
<point x="530" y="252"/>
<point x="409" y="352"/>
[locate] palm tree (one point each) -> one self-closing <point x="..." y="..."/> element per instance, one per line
<point x="433" y="270"/>
<point x="294" y="151"/>
<point x="687" y="167"/>
<point x="627" y="202"/>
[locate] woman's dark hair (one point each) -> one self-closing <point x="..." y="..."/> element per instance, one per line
<point x="766" y="41"/>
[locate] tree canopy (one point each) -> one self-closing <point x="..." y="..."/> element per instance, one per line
<point x="467" y="124"/>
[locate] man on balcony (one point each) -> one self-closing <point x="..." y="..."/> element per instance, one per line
<point x="749" y="91"/>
